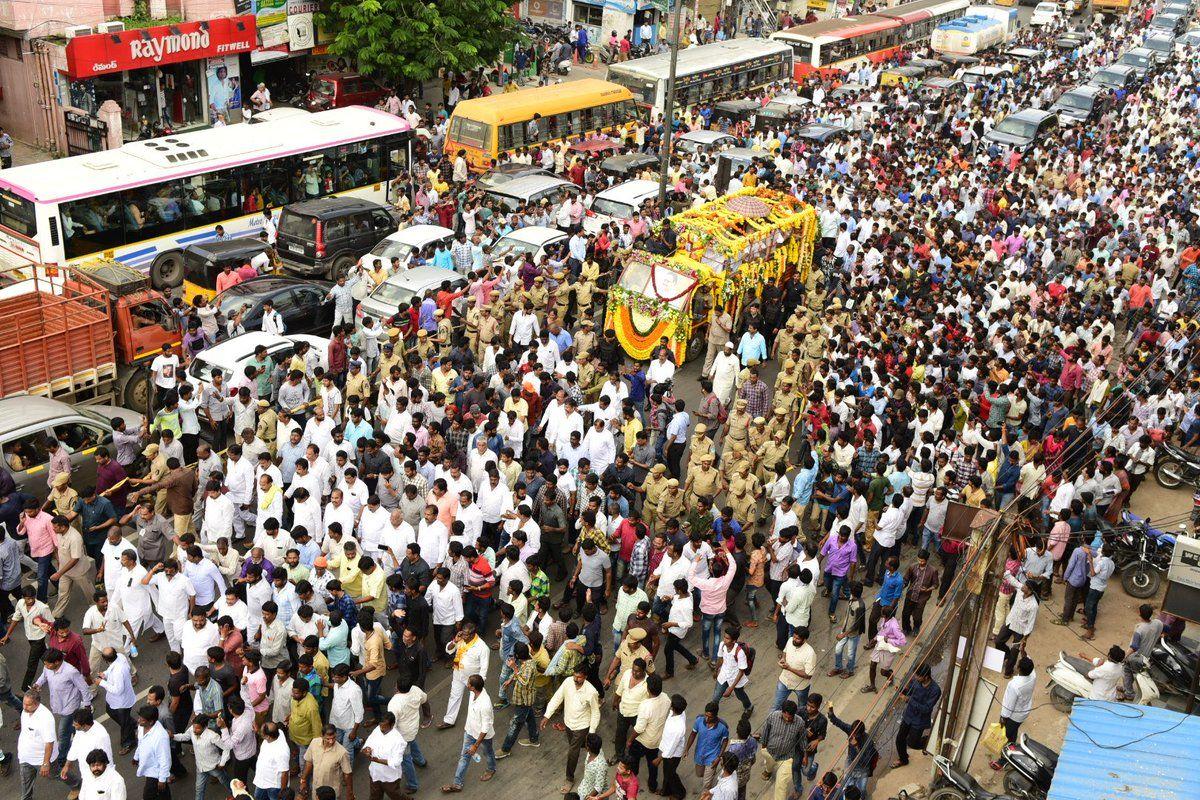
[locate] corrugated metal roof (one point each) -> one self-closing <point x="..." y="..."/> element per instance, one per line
<point x="1117" y="751"/>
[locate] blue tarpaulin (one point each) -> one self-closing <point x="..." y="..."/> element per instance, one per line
<point x="1117" y="751"/>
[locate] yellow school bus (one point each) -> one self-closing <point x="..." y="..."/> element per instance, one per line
<point x="500" y="123"/>
<point x="1110" y="6"/>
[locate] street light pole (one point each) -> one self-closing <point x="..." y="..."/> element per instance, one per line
<point x="669" y="112"/>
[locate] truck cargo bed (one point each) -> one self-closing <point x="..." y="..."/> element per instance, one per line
<point x="55" y="340"/>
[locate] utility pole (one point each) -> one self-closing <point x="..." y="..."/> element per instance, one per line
<point x="664" y="146"/>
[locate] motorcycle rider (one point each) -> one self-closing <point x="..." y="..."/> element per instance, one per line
<point x="1145" y="638"/>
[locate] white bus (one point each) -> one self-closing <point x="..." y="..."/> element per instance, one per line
<point x="142" y="203"/>
<point x="709" y="72"/>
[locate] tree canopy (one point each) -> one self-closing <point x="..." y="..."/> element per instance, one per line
<point x="395" y="40"/>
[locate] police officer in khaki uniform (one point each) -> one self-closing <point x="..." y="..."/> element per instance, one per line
<point x="651" y="490"/>
<point x="267" y="424"/>
<point x="744" y="491"/>
<point x="671" y="503"/>
<point x="471" y="328"/>
<point x="539" y="297"/>
<point x="585" y="340"/>
<point x="737" y="426"/>
<point x="773" y="452"/>
<point x="445" y="333"/>
<point x="701" y="446"/>
<point x="702" y="481"/>
<point x="489" y="328"/>
<point x="424" y="345"/>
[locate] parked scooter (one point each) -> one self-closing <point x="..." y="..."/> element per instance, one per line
<point x="1173" y="665"/>
<point x="951" y="783"/>
<point x="1069" y="679"/>
<point x="1029" y="768"/>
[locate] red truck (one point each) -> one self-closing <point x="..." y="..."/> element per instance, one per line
<point x="82" y="334"/>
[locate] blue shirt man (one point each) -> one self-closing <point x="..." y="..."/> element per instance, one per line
<point x="153" y="755"/>
<point x="891" y="589"/>
<point x="752" y="347"/>
<point x="710" y="733"/>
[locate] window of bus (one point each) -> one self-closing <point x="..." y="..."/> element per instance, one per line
<point x="16" y="214"/>
<point x="94" y="224"/>
<point x="471" y="133"/>
<point x="802" y="52"/>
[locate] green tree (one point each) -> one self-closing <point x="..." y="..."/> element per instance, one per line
<point x="395" y="40"/>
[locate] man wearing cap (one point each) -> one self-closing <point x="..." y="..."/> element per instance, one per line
<point x="585" y="340"/>
<point x="670" y="502"/>
<point x="652" y="490"/>
<point x="723" y="372"/>
<point x="703" y="481"/>
<point x="489" y="326"/>
<point x="744" y="491"/>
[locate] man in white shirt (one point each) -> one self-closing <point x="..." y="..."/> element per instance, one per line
<point x="199" y="635"/>
<point x="273" y="765"/>
<point x="272" y="320"/>
<point x="175" y="598"/>
<point x="470" y="657"/>
<point x="446" y="609"/>
<point x="133" y="595"/>
<point x="887" y="532"/>
<point x="1106" y="677"/>
<point x="88" y="736"/>
<point x="346" y="709"/>
<point x="218" y="515"/>
<point x="405" y="706"/>
<point x="37" y="743"/>
<point x="478" y="733"/>
<point x="101" y="781"/>
<point x="384" y="751"/>
<point x="731" y="670"/>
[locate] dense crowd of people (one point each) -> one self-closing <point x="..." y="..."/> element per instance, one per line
<point x="485" y="485"/>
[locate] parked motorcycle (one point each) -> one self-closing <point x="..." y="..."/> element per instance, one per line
<point x="1142" y="553"/>
<point x="1069" y="679"/>
<point x="1029" y="768"/>
<point x="1176" y="466"/>
<point x="1173" y="665"/>
<point x="951" y="783"/>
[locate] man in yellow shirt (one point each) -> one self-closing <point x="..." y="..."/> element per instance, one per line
<point x="304" y="720"/>
<point x="347" y="568"/>
<point x="373" y="585"/>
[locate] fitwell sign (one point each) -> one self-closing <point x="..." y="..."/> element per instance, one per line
<point x="102" y="53"/>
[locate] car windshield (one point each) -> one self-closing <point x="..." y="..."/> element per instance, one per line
<point x="1075" y="101"/>
<point x="1017" y="127"/>
<point x="390" y="248"/>
<point x="232" y="301"/>
<point x="507" y="202"/>
<point x="202" y="369"/>
<point x="613" y="208"/>
<point x="1135" y="59"/>
<point x="1046" y="8"/>
<point x="515" y="247"/>
<point x="325" y="87"/>
<point x="1108" y="78"/>
<point x="392" y="294"/>
<point x="1159" y="45"/>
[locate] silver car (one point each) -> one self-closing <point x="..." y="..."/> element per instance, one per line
<point x="27" y="424"/>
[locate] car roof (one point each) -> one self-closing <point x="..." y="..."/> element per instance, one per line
<point x="628" y="158"/>
<point x="1087" y="89"/>
<point x="1141" y="51"/>
<point x="326" y="207"/>
<point x="418" y="279"/>
<point x="419" y="235"/>
<point x="1122" y="69"/>
<point x="945" y="83"/>
<point x="1033" y="114"/>
<point x="527" y="185"/>
<point x="17" y="412"/>
<point x="229" y="352"/>
<point x="1023" y="52"/>
<point x="634" y="191"/>
<point x="706" y="137"/>
<point x="534" y="234"/>
<point x="269" y="284"/>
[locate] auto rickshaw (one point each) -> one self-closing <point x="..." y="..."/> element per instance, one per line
<point x="736" y="110"/>
<point x="956" y="61"/>
<point x="932" y="66"/>
<point x="204" y="261"/>
<point x="627" y="165"/>
<point x="906" y="75"/>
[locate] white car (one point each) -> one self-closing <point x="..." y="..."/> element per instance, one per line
<point x="534" y="239"/>
<point x="617" y="204"/>
<point x="1046" y="14"/>
<point x="400" y="289"/>
<point x="703" y="141"/>
<point x="404" y="243"/>
<point x="231" y="356"/>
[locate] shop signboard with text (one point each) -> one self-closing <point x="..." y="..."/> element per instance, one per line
<point x="105" y="53"/>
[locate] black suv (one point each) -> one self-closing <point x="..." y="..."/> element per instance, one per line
<point x="327" y="236"/>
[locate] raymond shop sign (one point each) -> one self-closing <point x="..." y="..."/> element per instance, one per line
<point x="164" y="44"/>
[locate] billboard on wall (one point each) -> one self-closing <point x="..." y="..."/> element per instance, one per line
<point x="103" y="53"/>
<point x="224" y="80"/>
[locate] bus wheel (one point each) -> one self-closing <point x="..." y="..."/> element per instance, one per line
<point x="167" y="271"/>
